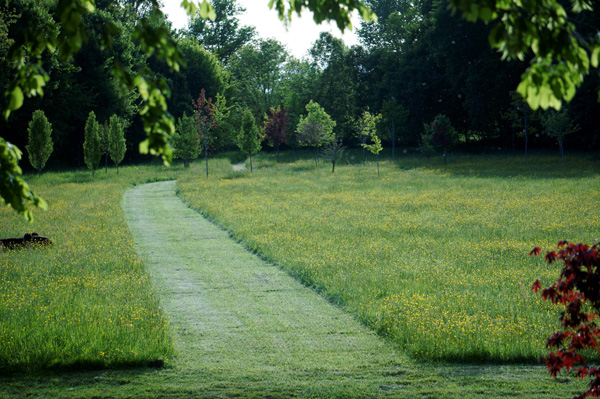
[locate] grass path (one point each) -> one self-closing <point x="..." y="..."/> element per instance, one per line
<point x="236" y="316"/>
<point x="244" y="329"/>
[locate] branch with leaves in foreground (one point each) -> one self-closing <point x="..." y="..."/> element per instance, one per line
<point x="561" y="56"/>
<point x="578" y="291"/>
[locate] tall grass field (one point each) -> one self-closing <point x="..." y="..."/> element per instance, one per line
<point x="87" y="301"/>
<point x="435" y="258"/>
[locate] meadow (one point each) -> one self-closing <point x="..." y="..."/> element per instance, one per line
<point x="434" y="258"/>
<point x="87" y="301"/>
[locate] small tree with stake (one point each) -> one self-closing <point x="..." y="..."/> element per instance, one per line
<point x="185" y="140"/>
<point x="276" y="128"/>
<point x="40" y="145"/>
<point x="103" y="129"/>
<point x="366" y="128"/>
<point x="250" y="137"/>
<point x="558" y="125"/>
<point x="92" y="146"/>
<point x="316" y="128"/>
<point x="116" y="140"/>
<point x="578" y="290"/>
<point x="374" y="148"/>
<point x="440" y="134"/>
<point x="333" y="152"/>
<point x="205" y="121"/>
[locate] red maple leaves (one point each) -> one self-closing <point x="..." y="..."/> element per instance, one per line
<point x="578" y="290"/>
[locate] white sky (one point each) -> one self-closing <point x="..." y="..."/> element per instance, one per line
<point x="298" y="38"/>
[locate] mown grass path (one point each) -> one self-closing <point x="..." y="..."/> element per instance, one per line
<point x="244" y="323"/>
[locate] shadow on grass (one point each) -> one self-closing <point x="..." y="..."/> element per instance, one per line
<point x="540" y="165"/>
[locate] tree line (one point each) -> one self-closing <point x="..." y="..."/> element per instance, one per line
<point x="418" y="62"/>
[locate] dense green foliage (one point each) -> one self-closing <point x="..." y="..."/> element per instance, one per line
<point x="40" y="143"/>
<point x="416" y="60"/>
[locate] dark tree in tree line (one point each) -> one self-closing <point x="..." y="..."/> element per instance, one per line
<point x="186" y="141"/>
<point x="92" y="145"/>
<point x="276" y="128"/>
<point x="333" y="152"/>
<point x="223" y="36"/>
<point x="40" y="145"/>
<point x="204" y="122"/>
<point x="316" y="128"/>
<point x="116" y="140"/>
<point x="250" y="138"/>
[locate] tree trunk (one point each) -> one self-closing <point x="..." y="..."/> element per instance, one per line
<point x="526" y="142"/>
<point x="562" y="152"/>
<point x="377" y="164"/>
<point x="186" y="163"/>
<point x="513" y="139"/>
<point x="393" y="142"/>
<point x="332" y="166"/>
<point x="525" y="123"/>
<point x="106" y="163"/>
<point x="250" y="163"/>
<point x="444" y="156"/>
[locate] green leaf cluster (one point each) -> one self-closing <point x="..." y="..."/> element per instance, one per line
<point x="14" y="191"/>
<point x="561" y="57"/>
<point x="339" y="11"/>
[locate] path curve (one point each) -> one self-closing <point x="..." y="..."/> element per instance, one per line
<point x="231" y="311"/>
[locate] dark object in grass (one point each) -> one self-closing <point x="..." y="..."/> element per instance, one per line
<point x="156" y="363"/>
<point x="26" y="241"/>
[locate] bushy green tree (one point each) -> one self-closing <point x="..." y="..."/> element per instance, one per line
<point x="185" y="141"/>
<point x="92" y="146"/>
<point x="440" y="135"/>
<point x="116" y="140"/>
<point x="250" y="138"/>
<point x="40" y="145"/>
<point x="316" y="128"/>
<point x="558" y="124"/>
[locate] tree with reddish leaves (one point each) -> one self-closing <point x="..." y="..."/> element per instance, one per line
<point x="439" y="135"/>
<point x="204" y="121"/>
<point x="276" y="128"/>
<point x="578" y="290"/>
